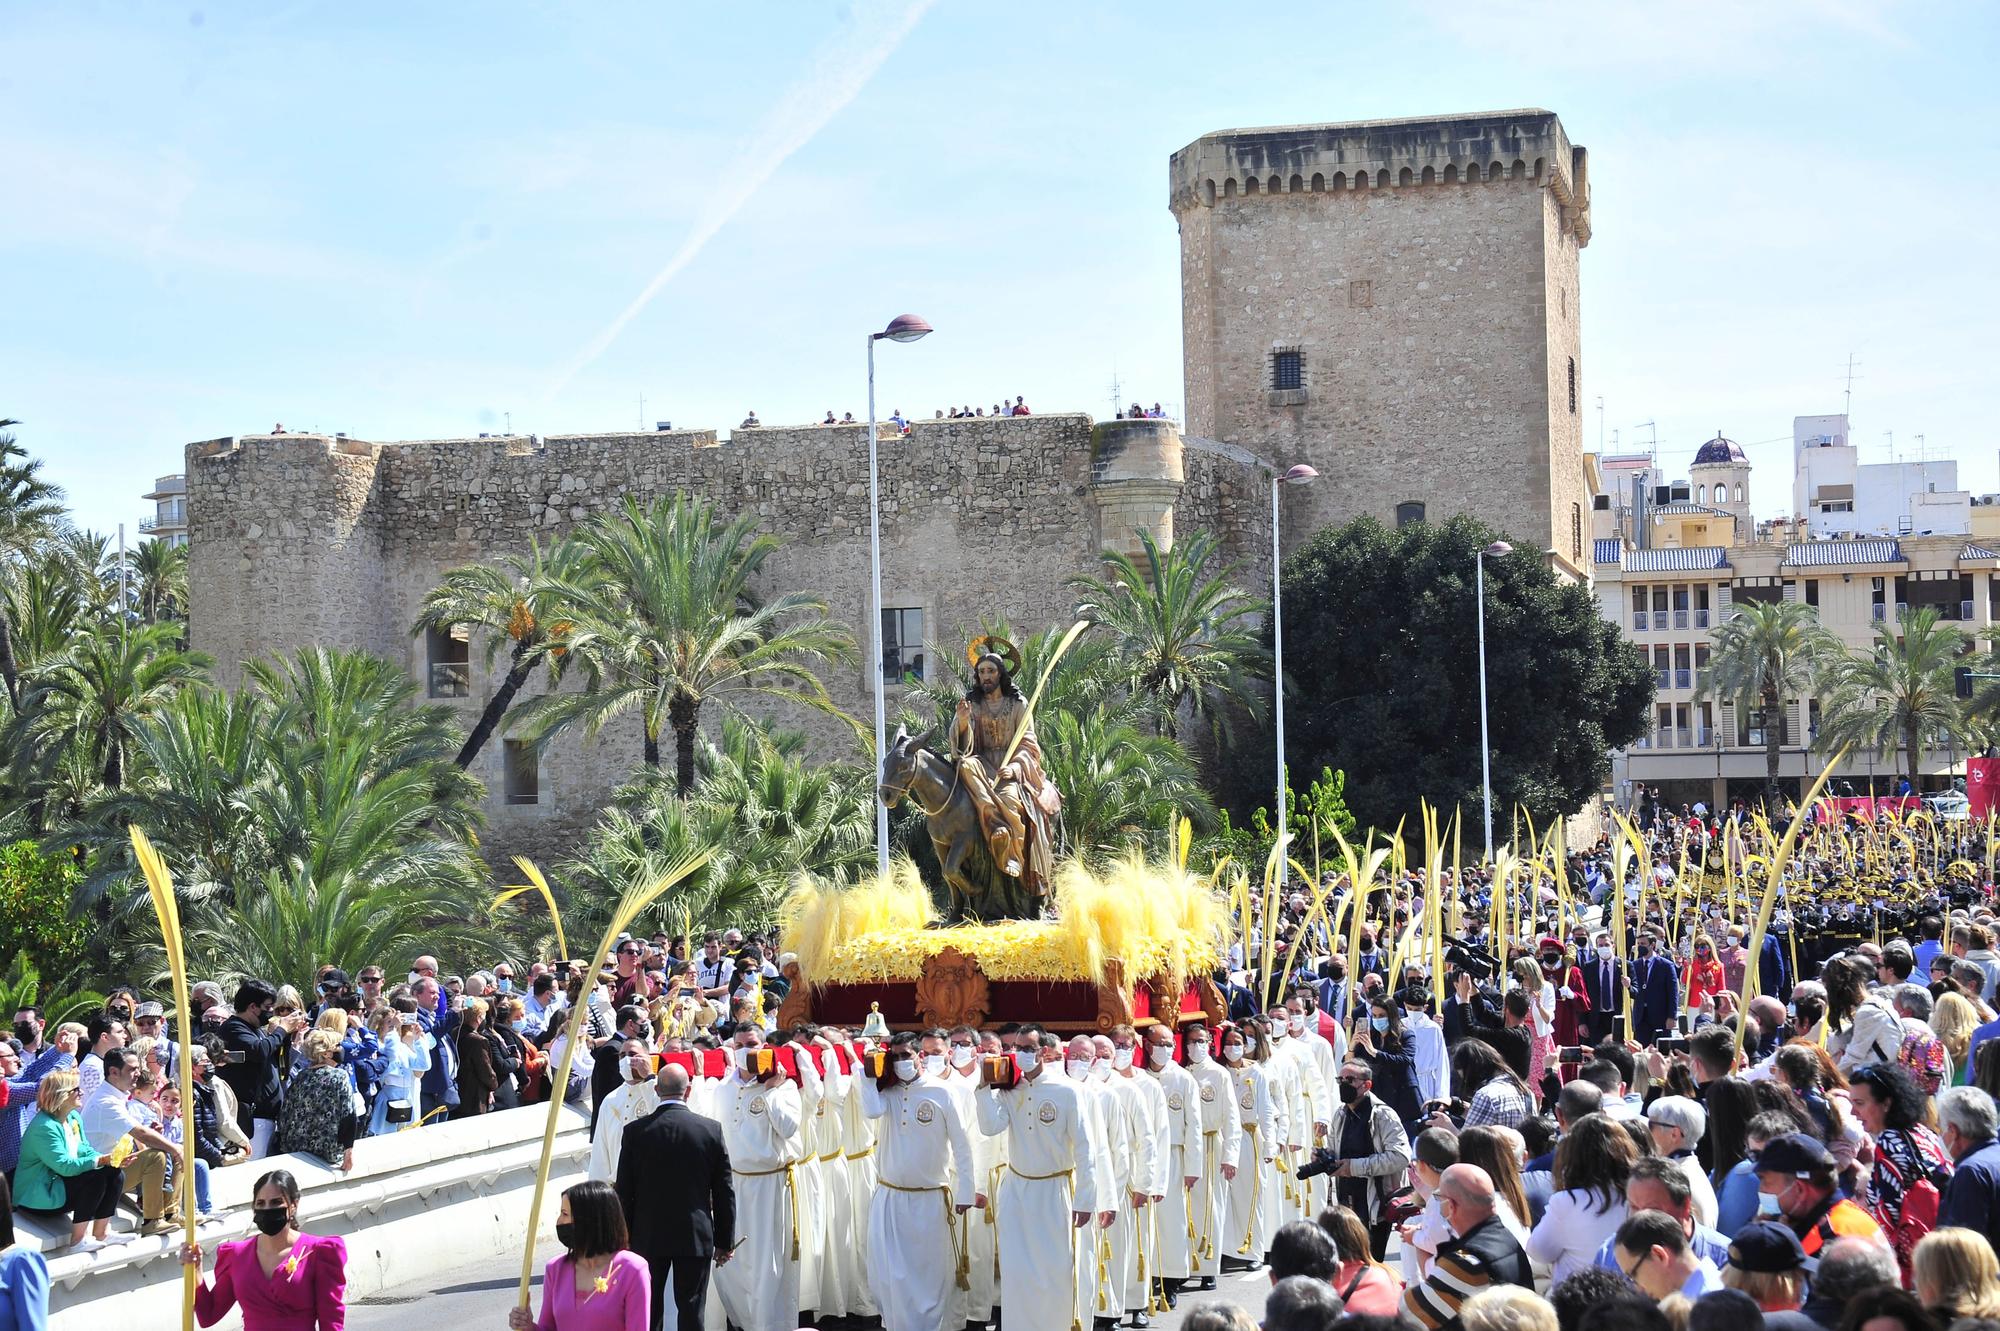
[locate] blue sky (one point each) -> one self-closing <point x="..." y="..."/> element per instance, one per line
<point x="408" y="221"/>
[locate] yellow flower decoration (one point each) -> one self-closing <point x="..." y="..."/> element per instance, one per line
<point x="292" y="1265"/>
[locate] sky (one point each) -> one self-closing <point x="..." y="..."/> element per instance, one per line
<point x="414" y="221"/>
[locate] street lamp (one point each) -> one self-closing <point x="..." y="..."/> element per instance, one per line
<point x="1299" y="475"/>
<point x="1495" y="550"/>
<point x="902" y="328"/>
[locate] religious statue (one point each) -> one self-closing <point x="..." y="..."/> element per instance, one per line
<point x="993" y="813"/>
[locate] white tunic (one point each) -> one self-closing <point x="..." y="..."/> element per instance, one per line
<point x="632" y="1101"/>
<point x="1049" y="1175"/>
<point x="1251" y="1217"/>
<point x="1322" y="1073"/>
<point x="1172" y="1253"/>
<point x="839" y="1272"/>
<point x="1152" y="1159"/>
<point x="760" y="1128"/>
<point x="1221" y="1141"/>
<point x="1110" y="1155"/>
<point x="859" y="1140"/>
<point x="808" y="1191"/>
<point x="978" y="1231"/>
<point x="924" y="1172"/>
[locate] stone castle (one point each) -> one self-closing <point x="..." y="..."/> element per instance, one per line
<point x="1393" y="302"/>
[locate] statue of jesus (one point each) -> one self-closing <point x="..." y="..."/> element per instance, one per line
<point x="1016" y="802"/>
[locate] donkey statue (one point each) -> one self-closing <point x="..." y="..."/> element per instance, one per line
<point x="912" y="770"/>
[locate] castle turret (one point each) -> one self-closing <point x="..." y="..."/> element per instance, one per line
<point x="1135" y="478"/>
<point x="1721" y="479"/>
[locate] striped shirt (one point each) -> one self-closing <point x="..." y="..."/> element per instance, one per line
<point x="1500" y="1103"/>
<point x="1485" y="1256"/>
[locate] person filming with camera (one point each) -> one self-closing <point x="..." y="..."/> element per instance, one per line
<point x="1367" y="1155"/>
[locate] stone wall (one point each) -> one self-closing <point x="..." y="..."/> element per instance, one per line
<point x="301" y="539"/>
<point x="1425" y="273"/>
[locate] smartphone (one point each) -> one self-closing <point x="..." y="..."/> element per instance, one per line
<point x="1571" y="1054"/>
<point x="235" y="1056"/>
<point x="1673" y="1044"/>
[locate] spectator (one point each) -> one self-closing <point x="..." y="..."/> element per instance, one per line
<point x="162" y="1106"/>
<point x="1497" y="1151"/>
<point x="1887" y="1310"/>
<point x="634" y="986"/>
<point x="1218" y="1317"/>
<point x="1796" y="1173"/>
<point x="715" y="971"/>
<point x="440" y="1021"/>
<point x="24" y="1276"/>
<point x="408" y="1059"/>
<point x="1955" y="1275"/>
<point x="750" y="422"/>
<point x="1767" y="1264"/>
<point x="510" y="1052"/>
<point x="597" y="1283"/>
<point x="1363" y="1283"/>
<point x="318" y="1115"/>
<point x="1301" y="1303"/>
<point x="1507" y="1308"/>
<point x="1367" y="1140"/>
<point x="1966" y="1124"/>
<point x="1301" y="1248"/>
<point x="1726" y="1310"/>
<point x="1654" y="1252"/>
<point x="1873" y="1029"/>
<point x="59" y="1172"/>
<point x="1589" y="1287"/>
<point x="25" y="1081"/>
<point x="1481" y="1253"/>
<point x="478" y="1078"/>
<point x="1020" y="407"/>
<point x="1912" y="1168"/>
<point x="1626" y="1314"/>
<point x="103" y="1032"/>
<point x="1847" y="1268"/>
<point x="1499" y="1096"/>
<point x="210" y="1145"/>
<point x="1677" y="1123"/>
<point x="1592" y="1165"/>
<point x="314" y="1290"/>
<point x="109" y="1116"/>
<point x="1434" y="1151"/>
<point x="256" y="1042"/>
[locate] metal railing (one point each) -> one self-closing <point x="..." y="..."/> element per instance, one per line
<point x="1639" y="621"/>
<point x="1683" y="737"/>
<point x="451" y="679"/>
<point x="1683" y="679"/>
<point x="1701" y="619"/>
<point x="1680" y="619"/>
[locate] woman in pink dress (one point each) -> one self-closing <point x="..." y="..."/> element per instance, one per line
<point x="283" y="1280"/>
<point x="598" y="1284"/>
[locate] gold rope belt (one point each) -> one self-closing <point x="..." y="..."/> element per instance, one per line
<point x="1256" y="1190"/>
<point x="961" y="1257"/>
<point x="790" y="1171"/>
<point x="1041" y="1178"/>
<point x="861" y="1154"/>
<point x="834" y="1155"/>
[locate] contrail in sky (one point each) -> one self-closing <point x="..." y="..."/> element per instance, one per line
<point x="839" y="70"/>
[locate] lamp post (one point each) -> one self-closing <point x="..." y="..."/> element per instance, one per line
<point x="1299" y="475"/>
<point x="1495" y="550"/>
<point x="902" y="328"/>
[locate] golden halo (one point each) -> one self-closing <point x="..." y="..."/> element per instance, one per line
<point x="999" y="646"/>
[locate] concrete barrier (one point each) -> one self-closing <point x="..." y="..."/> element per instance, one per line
<point x="416" y="1203"/>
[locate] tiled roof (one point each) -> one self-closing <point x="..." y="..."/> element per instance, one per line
<point x="1608" y="550"/>
<point x="1978" y="552"/>
<point x="1809" y="553"/>
<point x="1686" y="559"/>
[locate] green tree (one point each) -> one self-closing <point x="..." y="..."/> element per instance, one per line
<point x="1898" y="692"/>
<point x="36" y="923"/>
<point x="158" y="572"/>
<point x="31" y="509"/>
<point x="1185" y="632"/>
<point x="518" y="604"/>
<point x="1380" y="640"/>
<point x="1765" y="652"/>
<point x="91" y="695"/>
<point x="666" y="623"/>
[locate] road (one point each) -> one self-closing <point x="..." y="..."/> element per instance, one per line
<point x="476" y="1298"/>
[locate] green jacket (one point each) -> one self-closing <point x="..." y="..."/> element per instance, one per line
<point x="51" y="1151"/>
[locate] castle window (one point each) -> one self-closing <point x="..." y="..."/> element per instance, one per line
<point x="1298" y="184"/>
<point x="1288" y="370"/>
<point x="1572" y="385"/>
<point x="903" y="645"/>
<point x="524" y="773"/>
<point x="1410" y="510"/>
<point x="1407" y="177"/>
<point x="448" y="662"/>
<point x="1319" y="183"/>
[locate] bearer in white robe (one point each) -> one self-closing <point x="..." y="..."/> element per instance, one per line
<point x="924" y="1183"/>
<point x="633" y="1099"/>
<point x="989" y="1156"/>
<point x="1096" y="1297"/>
<point x="1172" y="1259"/>
<point x="859" y="1140"/>
<point x="1251" y="1217"/>
<point x="1288" y="1086"/>
<point x="838" y="1273"/>
<point x="1152" y="1158"/>
<point x="1221" y="1141"/>
<point x="1050" y="1192"/>
<point x="1303" y="1020"/>
<point x="760" y="1128"/>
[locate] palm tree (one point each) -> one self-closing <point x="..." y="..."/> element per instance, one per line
<point x="40" y="609"/>
<point x="520" y="602"/>
<point x="31" y="509"/>
<point x="1121" y="786"/>
<point x="1185" y="633"/>
<point x="159" y="573"/>
<point x="92" y="695"/>
<point x="1767" y="651"/>
<point x="665" y="623"/>
<point x="1898" y="692"/>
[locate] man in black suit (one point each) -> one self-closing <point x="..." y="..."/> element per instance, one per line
<point x="1604" y="981"/>
<point x="680" y="1206"/>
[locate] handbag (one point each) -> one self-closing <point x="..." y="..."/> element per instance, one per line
<point x="400" y="1111"/>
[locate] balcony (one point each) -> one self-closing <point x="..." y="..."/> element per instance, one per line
<point x="1878" y="612"/>
<point x="1639" y="621"/>
<point x="1663" y="678"/>
<point x="451" y="679"/>
<point x="1701" y="619"/>
<point x="1680" y="619"/>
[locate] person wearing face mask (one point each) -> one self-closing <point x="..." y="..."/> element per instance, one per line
<point x="1088" y="1063"/>
<point x="976" y="1230"/>
<point x="1655" y="992"/>
<point x="1250" y="1217"/>
<point x="760" y="1129"/>
<point x="1051" y="1189"/>
<point x="597" y="1283"/>
<point x="1603" y="986"/>
<point x="1215" y="1165"/>
<point x="1572" y="1001"/>
<point x="1135" y="1262"/>
<point x="1319" y="1070"/>
<point x="1367" y="1154"/>
<point x="1172" y="1255"/>
<point x="1292" y="1083"/>
<point x="1385" y="1050"/>
<point x="312" y="1293"/>
<point x="1796" y="1185"/>
<point x="633" y="1099"/>
<point x="925" y="1181"/>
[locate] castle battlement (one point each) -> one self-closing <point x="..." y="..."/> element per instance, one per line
<point x="1364" y="155"/>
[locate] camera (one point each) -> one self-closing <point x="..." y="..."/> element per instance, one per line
<point x="1323" y="1162"/>
<point x="1479" y="965"/>
<point x="1454" y="1110"/>
<point x="1570" y="1054"/>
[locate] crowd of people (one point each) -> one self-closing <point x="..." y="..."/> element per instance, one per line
<point x="1590" y="1130"/>
<point x="901" y="422"/>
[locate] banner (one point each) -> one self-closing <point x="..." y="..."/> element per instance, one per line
<point x="1982" y="786"/>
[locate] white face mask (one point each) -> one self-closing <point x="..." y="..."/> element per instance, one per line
<point x="933" y="1065"/>
<point x="1159" y="1055"/>
<point x="1077" y="1068"/>
<point x="962" y="1055"/>
<point x="1100" y="1071"/>
<point x="1232" y="1052"/>
<point x="1121" y="1059"/>
<point x="1603" y="953"/>
<point x="1296" y="1024"/>
<point x="638" y="1067"/>
<point x="906" y="1069"/>
<point x="1277" y="1034"/>
<point x="1197" y="1054"/>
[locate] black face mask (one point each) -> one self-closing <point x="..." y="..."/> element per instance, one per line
<point x="271" y="1219"/>
<point x="1349" y="1093"/>
<point x="566" y="1234"/>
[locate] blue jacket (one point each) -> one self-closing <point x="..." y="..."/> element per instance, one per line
<point x="20" y="1105"/>
<point x="1972" y="1196"/>
<point x="1774" y="970"/>
<point x="1655" y="996"/>
<point x="24" y="1291"/>
<point x="440" y="1085"/>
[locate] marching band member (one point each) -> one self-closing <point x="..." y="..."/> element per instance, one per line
<point x="925" y="1182"/>
<point x="760" y="1128"/>
<point x="1215" y="1167"/>
<point x="1051" y="1189"/>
